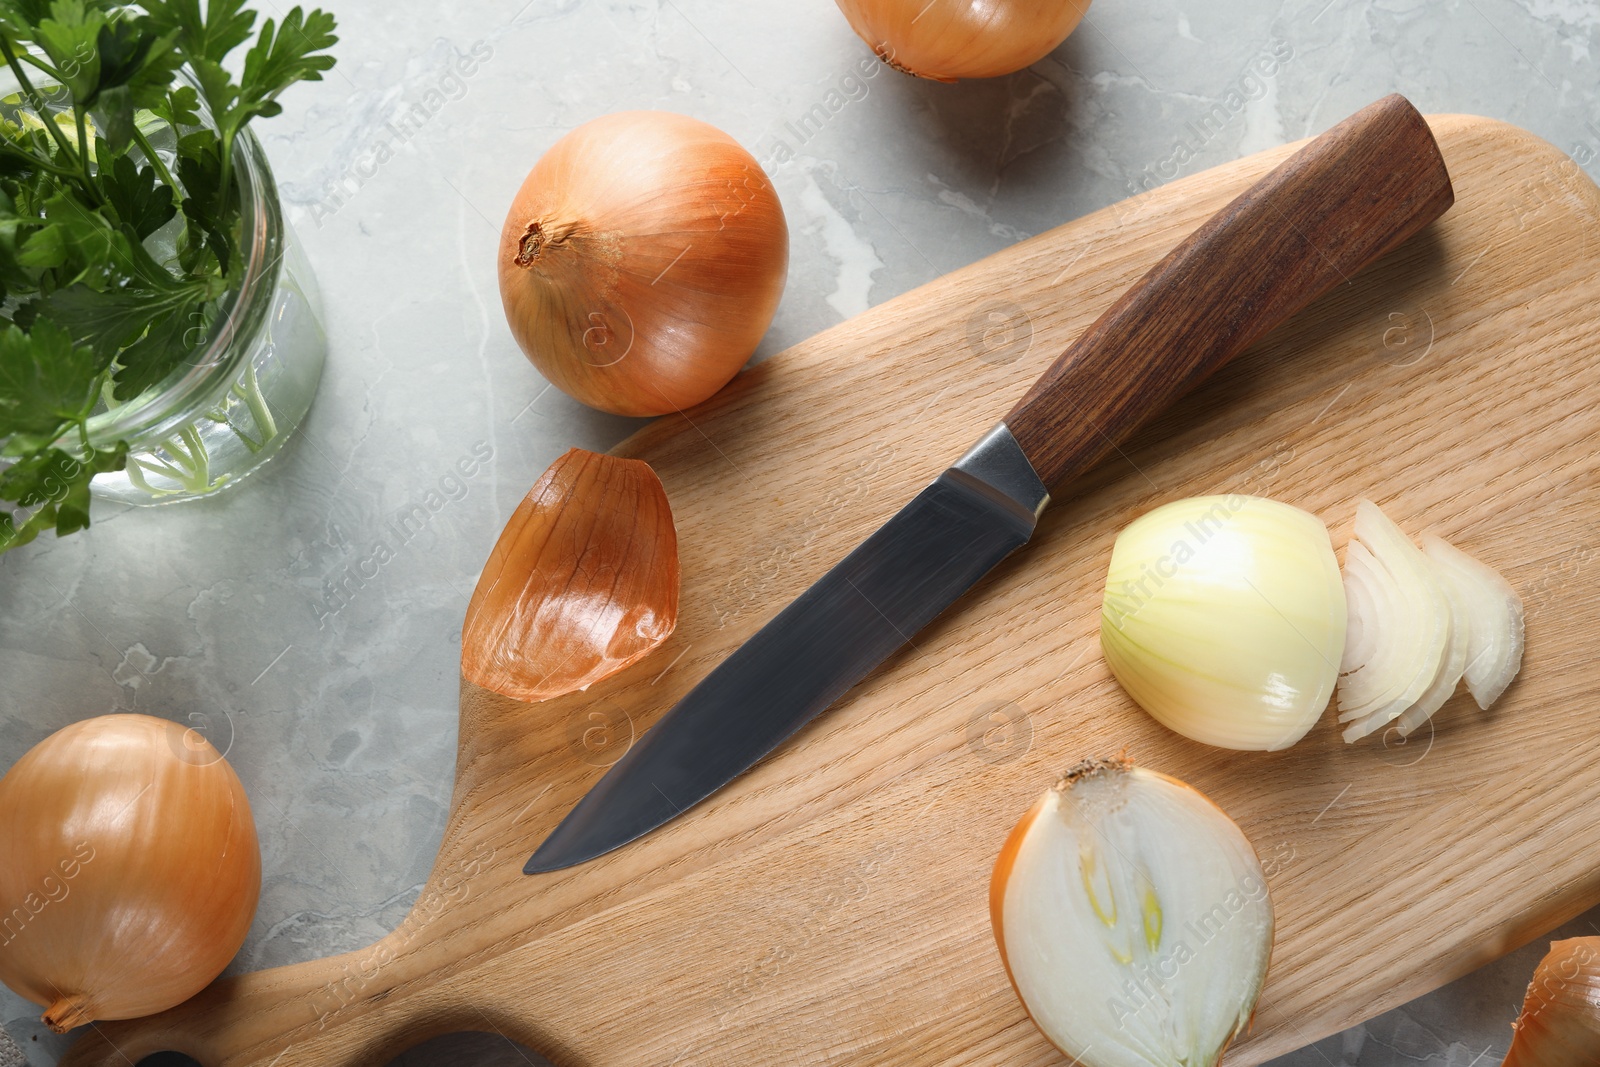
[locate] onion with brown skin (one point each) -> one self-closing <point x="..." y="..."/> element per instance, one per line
<point x="947" y="40"/>
<point x="641" y="262"/>
<point x="129" y="869"/>
<point x="582" y="583"/>
<point x="1560" y="1021"/>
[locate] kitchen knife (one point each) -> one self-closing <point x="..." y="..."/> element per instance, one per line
<point x="1337" y="204"/>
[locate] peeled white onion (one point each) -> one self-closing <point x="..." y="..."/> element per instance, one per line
<point x="1133" y="919"/>
<point x="1494" y="642"/>
<point x="1400" y="616"/>
<point x="1224" y="618"/>
<point x="1420" y="621"/>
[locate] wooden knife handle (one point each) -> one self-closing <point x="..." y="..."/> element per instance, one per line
<point x="1324" y="213"/>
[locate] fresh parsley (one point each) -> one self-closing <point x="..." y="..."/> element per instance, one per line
<point x="91" y="312"/>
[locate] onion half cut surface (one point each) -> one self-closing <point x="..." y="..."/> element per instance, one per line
<point x="1133" y="919"/>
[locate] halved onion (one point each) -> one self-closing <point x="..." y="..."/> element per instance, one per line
<point x="1133" y="919"/>
<point x="582" y="583"/>
<point x="1400" y="616"/>
<point x="1494" y="640"/>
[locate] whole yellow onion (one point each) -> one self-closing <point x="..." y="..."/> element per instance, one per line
<point x="129" y="869"/>
<point x="641" y="262"/>
<point x="947" y="40"/>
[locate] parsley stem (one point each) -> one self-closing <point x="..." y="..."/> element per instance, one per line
<point x="41" y="64"/>
<point x="157" y="162"/>
<point x="226" y="179"/>
<point x="40" y="108"/>
<point x="47" y="117"/>
<point x="248" y="389"/>
<point x="83" y="145"/>
<point x="39" y="161"/>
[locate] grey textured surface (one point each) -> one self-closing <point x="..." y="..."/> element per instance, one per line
<point x="339" y="711"/>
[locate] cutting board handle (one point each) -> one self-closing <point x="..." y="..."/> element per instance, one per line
<point x="1336" y="205"/>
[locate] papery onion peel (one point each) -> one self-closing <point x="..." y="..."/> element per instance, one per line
<point x="582" y="583"/>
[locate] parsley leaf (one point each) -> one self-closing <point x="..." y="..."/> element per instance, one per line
<point x="136" y="198"/>
<point x="46" y="382"/>
<point x="109" y="322"/>
<point x="91" y="306"/>
<point x="277" y="62"/>
<point x="78" y="240"/>
<point x="212" y="34"/>
<point x="53" y="486"/>
<point x="180" y="108"/>
<point x="70" y="38"/>
<point x="134" y="57"/>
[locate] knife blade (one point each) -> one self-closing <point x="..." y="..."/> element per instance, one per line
<point x="1337" y="204"/>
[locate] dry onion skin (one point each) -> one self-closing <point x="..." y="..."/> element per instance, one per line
<point x="641" y="262"/>
<point x="1133" y="919"/>
<point x="129" y="869"/>
<point x="582" y="583"/>
<point x="946" y="40"/>
<point x="1421" y="620"/>
<point x="1224" y="618"/>
<point x="1560" y="1021"/>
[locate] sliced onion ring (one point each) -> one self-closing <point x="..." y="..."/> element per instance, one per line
<point x="1404" y="619"/>
<point x="1494" y="645"/>
<point x="1451" y="664"/>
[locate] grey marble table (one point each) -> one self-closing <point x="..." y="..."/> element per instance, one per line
<point x="340" y="712"/>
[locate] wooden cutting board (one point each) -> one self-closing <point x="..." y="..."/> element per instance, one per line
<point x="831" y="906"/>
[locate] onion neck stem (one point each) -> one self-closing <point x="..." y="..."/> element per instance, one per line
<point x="67" y="1012"/>
<point x="539" y="235"/>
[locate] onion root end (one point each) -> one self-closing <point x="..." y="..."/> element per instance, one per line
<point x="886" y="53"/>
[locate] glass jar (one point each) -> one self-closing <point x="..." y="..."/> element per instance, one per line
<point x="219" y="419"/>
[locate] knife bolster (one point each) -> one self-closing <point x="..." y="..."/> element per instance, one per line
<point x="997" y="461"/>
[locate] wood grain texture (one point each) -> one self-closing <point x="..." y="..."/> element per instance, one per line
<point x="1317" y="219"/>
<point x="830" y="907"/>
